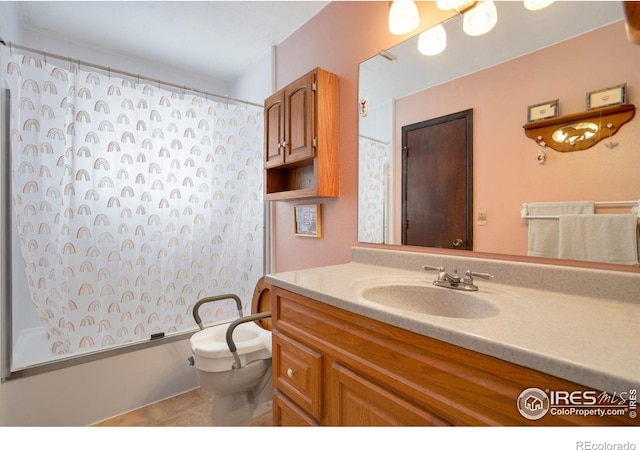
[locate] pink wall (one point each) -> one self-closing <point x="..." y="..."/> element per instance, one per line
<point x="341" y="36"/>
<point x="506" y="173"/>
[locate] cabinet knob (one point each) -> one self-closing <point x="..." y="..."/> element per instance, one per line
<point x="284" y="144"/>
<point x="290" y="372"/>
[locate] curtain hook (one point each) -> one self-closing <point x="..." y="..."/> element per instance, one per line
<point x="45" y="58"/>
<point x="109" y="70"/>
<point x="10" y="48"/>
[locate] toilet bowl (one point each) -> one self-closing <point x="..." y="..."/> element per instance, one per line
<point x="233" y="362"/>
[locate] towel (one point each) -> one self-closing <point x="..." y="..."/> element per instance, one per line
<point x="609" y="238"/>
<point x="543" y="233"/>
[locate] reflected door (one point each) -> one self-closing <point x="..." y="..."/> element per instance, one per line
<point x="437" y="171"/>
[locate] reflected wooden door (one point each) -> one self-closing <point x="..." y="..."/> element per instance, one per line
<point x="437" y="171"/>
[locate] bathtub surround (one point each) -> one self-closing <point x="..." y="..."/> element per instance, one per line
<point x="132" y="202"/>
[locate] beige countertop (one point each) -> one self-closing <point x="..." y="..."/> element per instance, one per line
<point x="590" y="341"/>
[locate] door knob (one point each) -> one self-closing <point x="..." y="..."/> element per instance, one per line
<point x="458" y="242"/>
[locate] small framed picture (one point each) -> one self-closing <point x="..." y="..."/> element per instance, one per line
<point x="615" y="95"/>
<point x="546" y="110"/>
<point x="307" y="220"/>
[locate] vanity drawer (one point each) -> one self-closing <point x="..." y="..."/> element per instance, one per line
<point x="298" y="373"/>
<point x="288" y="414"/>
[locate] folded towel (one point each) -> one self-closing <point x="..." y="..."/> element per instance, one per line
<point x="543" y="233"/>
<point x="609" y="238"/>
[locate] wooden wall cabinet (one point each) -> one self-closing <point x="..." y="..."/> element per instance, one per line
<point x="335" y="368"/>
<point x="301" y="139"/>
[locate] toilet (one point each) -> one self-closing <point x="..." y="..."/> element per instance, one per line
<point x="233" y="361"/>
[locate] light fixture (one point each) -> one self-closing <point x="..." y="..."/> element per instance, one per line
<point x="481" y="19"/>
<point x="432" y="41"/>
<point x="403" y="17"/>
<point x="534" y="5"/>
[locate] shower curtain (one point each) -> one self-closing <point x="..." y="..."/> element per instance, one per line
<point x="374" y="192"/>
<point x="131" y="202"/>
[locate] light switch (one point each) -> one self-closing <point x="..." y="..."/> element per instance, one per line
<point x="482" y="217"/>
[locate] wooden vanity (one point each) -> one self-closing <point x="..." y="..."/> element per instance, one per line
<point x="334" y="367"/>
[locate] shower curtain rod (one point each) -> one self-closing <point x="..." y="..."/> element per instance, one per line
<point x="374" y="139"/>
<point x="137" y="76"/>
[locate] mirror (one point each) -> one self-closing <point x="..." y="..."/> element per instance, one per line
<point x="561" y="52"/>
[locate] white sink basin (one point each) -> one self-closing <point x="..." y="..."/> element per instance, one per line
<point x="425" y="298"/>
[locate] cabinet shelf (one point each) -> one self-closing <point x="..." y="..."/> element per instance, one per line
<point x="579" y="131"/>
<point x="289" y="182"/>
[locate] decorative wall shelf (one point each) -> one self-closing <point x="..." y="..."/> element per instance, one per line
<point x="579" y="131"/>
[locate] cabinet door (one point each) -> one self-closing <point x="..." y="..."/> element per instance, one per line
<point x="274" y="130"/>
<point x="299" y="120"/>
<point x="357" y="401"/>
<point x="287" y="414"/>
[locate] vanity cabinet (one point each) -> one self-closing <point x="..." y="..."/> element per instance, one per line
<point x="301" y="139"/>
<point x="332" y="367"/>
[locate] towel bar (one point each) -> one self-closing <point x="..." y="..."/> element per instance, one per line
<point x="524" y="212"/>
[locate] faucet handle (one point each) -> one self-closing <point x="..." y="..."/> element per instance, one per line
<point x="470" y="275"/>
<point x="437" y="269"/>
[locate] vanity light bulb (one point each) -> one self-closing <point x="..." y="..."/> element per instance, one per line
<point x="433" y="41"/>
<point x="403" y="17"/>
<point x="481" y="19"/>
<point x="534" y="5"/>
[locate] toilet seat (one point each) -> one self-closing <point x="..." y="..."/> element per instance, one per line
<point x="211" y="352"/>
<point x="252" y="339"/>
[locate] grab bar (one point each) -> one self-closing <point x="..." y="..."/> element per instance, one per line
<point x="215" y="298"/>
<point x="232" y="346"/>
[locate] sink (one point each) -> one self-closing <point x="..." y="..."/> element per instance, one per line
<point x="428" y="299"/>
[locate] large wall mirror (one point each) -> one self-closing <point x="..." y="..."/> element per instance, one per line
<point x="530" y="57"/>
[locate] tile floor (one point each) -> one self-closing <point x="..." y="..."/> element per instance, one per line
<point x="191" y="409"/>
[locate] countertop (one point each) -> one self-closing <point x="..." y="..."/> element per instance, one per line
<point x="590" y="341"/>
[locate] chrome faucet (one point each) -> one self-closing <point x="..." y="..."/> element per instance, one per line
<point x="455" y="281"/>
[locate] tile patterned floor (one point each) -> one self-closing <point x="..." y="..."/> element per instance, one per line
<point x="191" y="409"/>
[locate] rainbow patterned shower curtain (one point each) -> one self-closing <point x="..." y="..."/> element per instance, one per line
<point x="373" y="193"/>
<point x="131" y="202"/>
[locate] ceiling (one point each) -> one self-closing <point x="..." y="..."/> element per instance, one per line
<point x="218" y="39"/>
